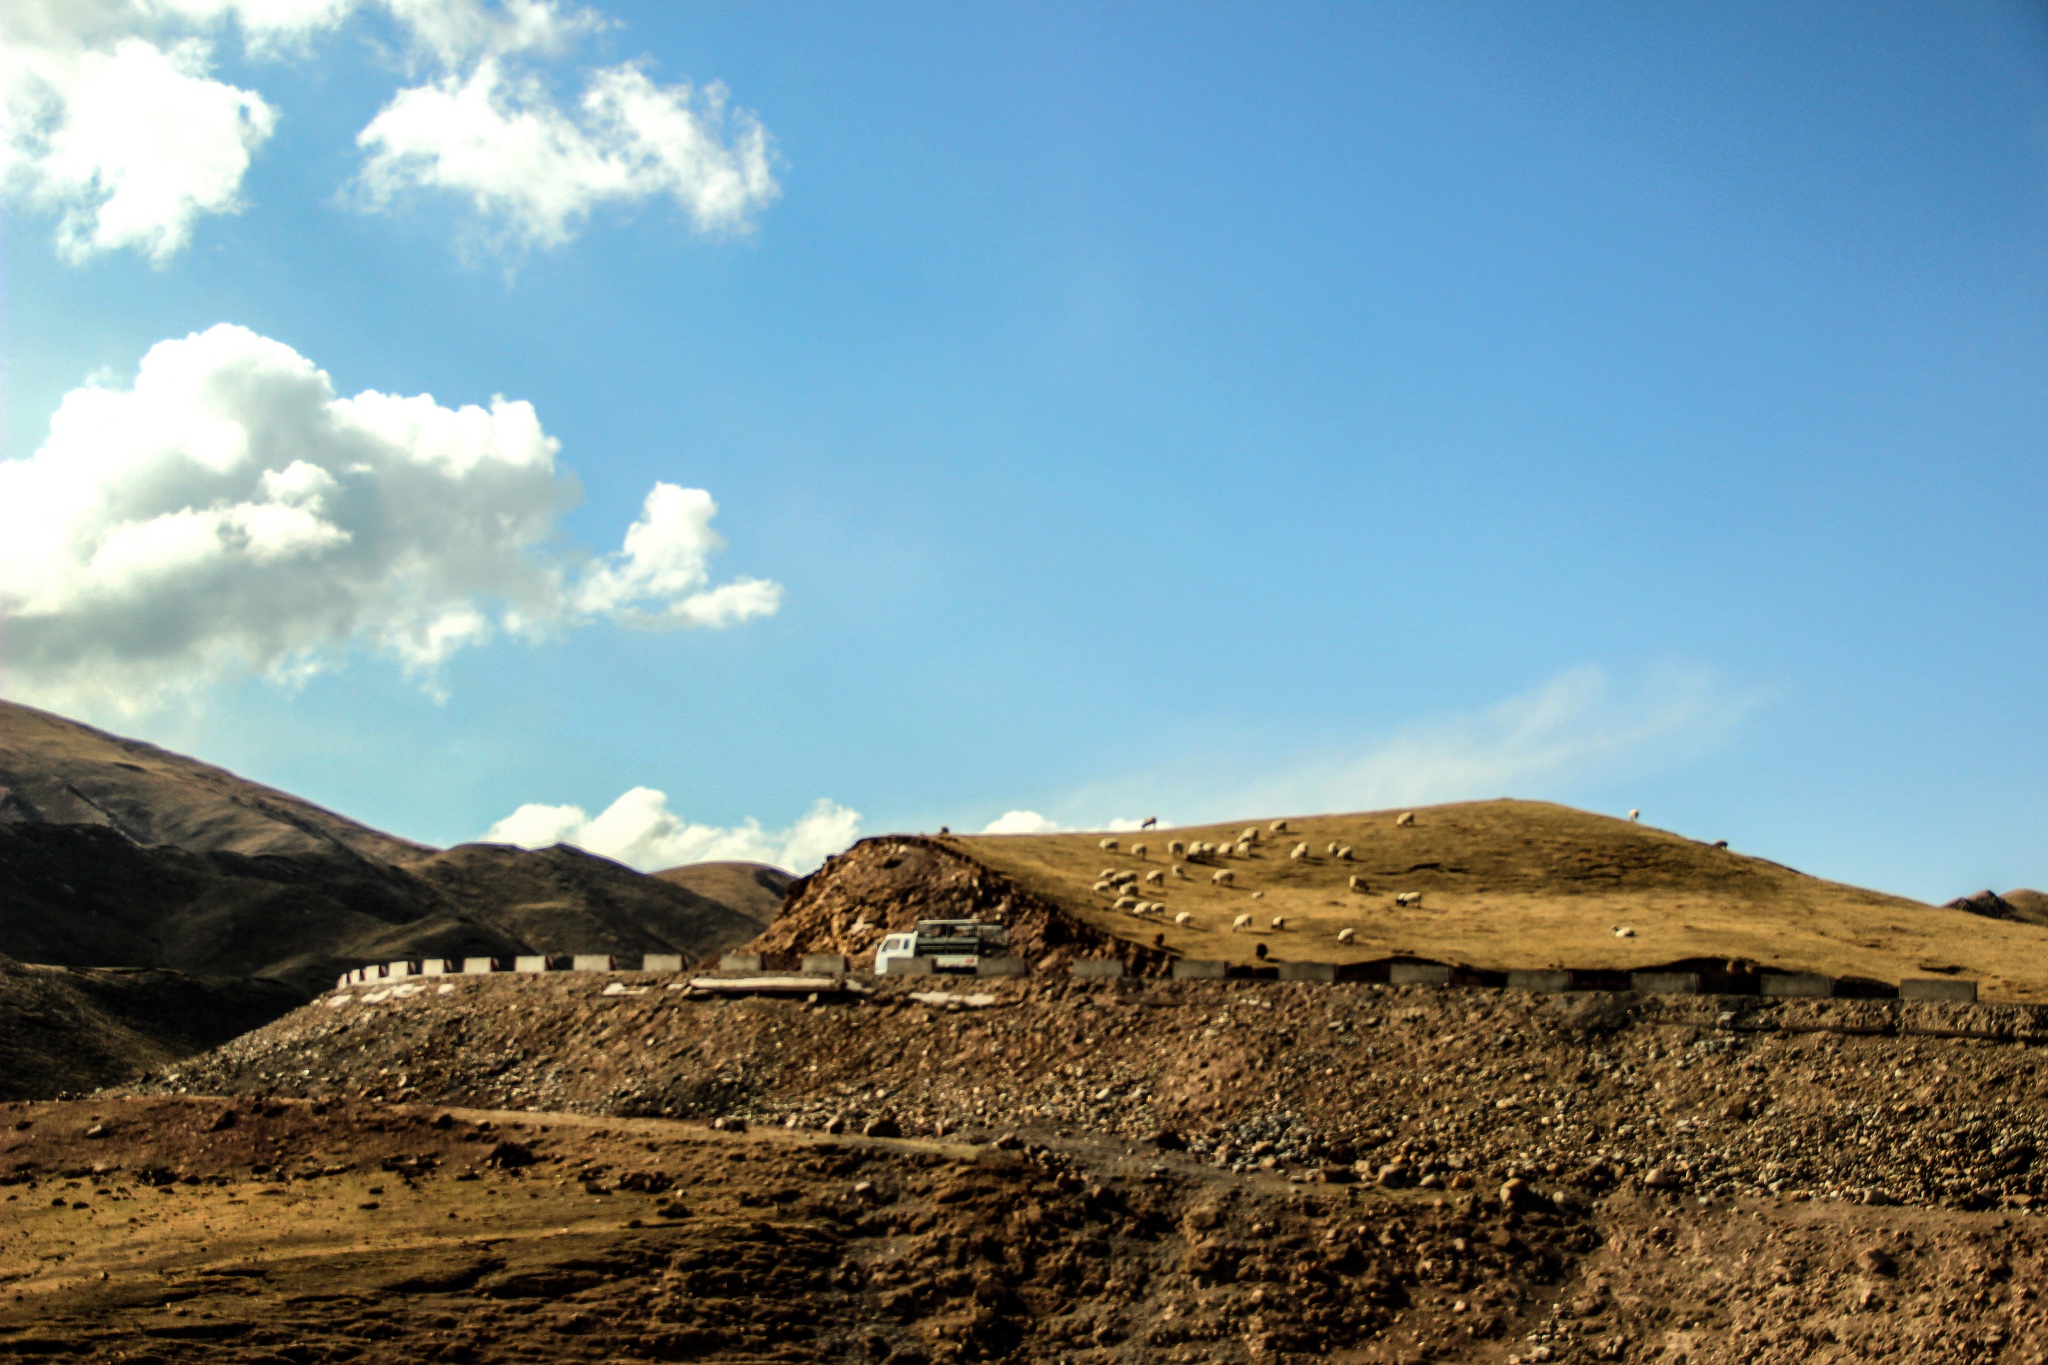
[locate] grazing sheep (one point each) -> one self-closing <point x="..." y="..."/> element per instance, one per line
<point x="1279" y="826"/>
<point x="1250" y="835"/>
<point x="1347" y="936"/>
<point x="1223" y="877"/>
<point x="1137" y="850"/>
<point x="1634" y="815"/>
<point x="1279" y="921"/>
<point x="1124" y="903"/>
<point x="1406" y="817"/>
<point x="1183" y="919"/>
<point x="1109" y="845"/>
<point x="1155" y="878"/>
<point x="1408" y="898"/>
<point x="1720" y="843"/>
<point x="1623" y="931"/>
<point x="1149" y="822"/>
<point x="1180" y="872"/>
<point x="1330" y="850"/>
<point x="1258" y="895"/>
<point x="1343" y="853"/>
<point x="1105" y="887"/>
<point x="1244" y="850"/>
<point x="1176" y="848"/>
<point x="1357" y="882"/>
<point x="1242" y="922"/>
<point x="1299" y="852"/>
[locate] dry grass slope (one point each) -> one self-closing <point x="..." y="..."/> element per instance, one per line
<point x="1519" y="884"/>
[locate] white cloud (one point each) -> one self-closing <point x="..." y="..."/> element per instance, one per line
<point x="229" y="513"/>
<point x="1022" y="822"/>
<point x="641" y="831"/>
<point x="498" y="139"/>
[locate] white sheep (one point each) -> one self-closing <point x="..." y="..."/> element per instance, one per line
<point x="1155" y="878"/>
<point x="1250" y="835"/>
<point x="1406" y="817"/>
<point x="1105" y="887"/>
<point x="1343" y="853"/>
<point x="1137" y="850"/>
<point x="1298" y="852"/>
<point x="1408" y="898"/>
<point x="1279" y="921"/>
<point x="1242" y="922"/>
<point x="1623" y="931"/>
<point x="1244" y="850"/>
<point x="1180" y="872"/>
<point x="1223" y="876"/>
<point x="1109" y="845"/>
<point x="1634" y="815"/>
<point x="1357" y="882"/>
<point x="1183" y="919"/>
<point x="1124" y="903"/>
<point x="1176" y="848"/>
<point x="1258" y="895"/>
<point x="1279" y="826"/>
<point x="1330" y="850"/>
<point x="1347" y="936"/>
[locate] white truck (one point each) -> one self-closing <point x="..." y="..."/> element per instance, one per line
<point x="950" y="945"/>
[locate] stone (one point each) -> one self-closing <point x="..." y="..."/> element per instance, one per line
<point x="835" y="1125"/>
<point x="1937" y="988"/>
<point x="884" y="1127"/>
<point x="1878" y="1261"/>
<point x="509" y="1155"/>
<point x="1540" y="981"/>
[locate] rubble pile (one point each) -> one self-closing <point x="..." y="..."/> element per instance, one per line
<point x="1453" y="1090"/>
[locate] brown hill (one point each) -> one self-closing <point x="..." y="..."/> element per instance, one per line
<point x="70" y="1029"/>
<point x="1502" y="885"/>
<point x="755" y="890"/>
<point x="59" y="772"/>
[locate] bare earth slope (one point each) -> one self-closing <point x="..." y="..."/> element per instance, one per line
<point x="1502" y="885"/>
<point x="57" y="771"/>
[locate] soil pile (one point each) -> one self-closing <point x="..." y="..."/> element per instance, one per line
<point x="1493" y="885"/>
<point x="68" y="1029"/>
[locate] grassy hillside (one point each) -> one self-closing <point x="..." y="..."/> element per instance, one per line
<point x="1520" y="884"/>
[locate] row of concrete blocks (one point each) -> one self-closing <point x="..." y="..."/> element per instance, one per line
<point x="813" y="964"/>
<point x="1785" y="985"/>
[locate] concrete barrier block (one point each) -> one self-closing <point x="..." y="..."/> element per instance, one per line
<point x="1539" y="981"/>
<point x="1665" y="983"/>
<point x="999" y="966"/>
<point x="435" y="966"/>
<point x="908" y="966"/>
<point x="342" y="982"/>
<point x="746" y="964"/>
<point x="591" y="962"/>
<point x="1198" y="969"/>
<point x="661" y="962"/>
<point x="824" y="964"/>
<point x="1802" y="985"/>
<point x="531" y="963"/>
<point x="1097" y="969"/>
<point x="1418" y="974"/>
<point x="1936" y="988"/>
<point x="1308" y="971"/>
<point x="402" y="968"/>
<point x="477" y="966"/>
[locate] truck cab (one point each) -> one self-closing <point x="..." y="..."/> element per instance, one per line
<point x="950" y="945"/>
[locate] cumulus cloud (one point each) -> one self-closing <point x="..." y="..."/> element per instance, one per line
<point x="111" y="118"/>
<point x="1022" y="822"/>
<point x="499" y="139"/>
<point x="641" y="831"/>
<point x="229" y="513"/>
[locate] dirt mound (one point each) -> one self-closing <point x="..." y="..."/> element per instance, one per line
<point x="893" y="882"/>
<point x="59" y="772"/>
<point x="755" y="890"/>
<point x="1494" y="885"/>
<point x="72" y="1030"/>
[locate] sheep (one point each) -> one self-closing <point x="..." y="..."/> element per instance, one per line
<point x="1124" y="903"/>
<point x="1258" y="895"/>
<point x="1347" y="936"/>
<point x="1343" y="853"/>
<point x="1176" y="848"/>
<point x="1720" y="843"/>
<point x="1137" y="850"/>
<point x="1180" y="872"/>
<point x="1406" y="817"/>
<point x="1109" y="845"/>
<point x="1279" y="827"/>
<point x="1105" y="886"/>
<point x="1623" y="931"/>
<point x="1634" y="815"/>
<point x="1357" y="882"/>
<point x="1155" y="878"/>
<point x="1279" y="921"/>
<point x="1149" y="822"/>
<point x="1244" y="850"/>
<point x="1299" y="852"/>
<point x="1250" y="835"/>
<point x="1408" y="898"/>
<point x="1183" y="919"/>
<point x="1241" y="923"/>
<point x="1223" y="877"/>
<point x="1330" y="850"/>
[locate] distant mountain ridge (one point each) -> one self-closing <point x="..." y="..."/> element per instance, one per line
<point x="117" y="853"/>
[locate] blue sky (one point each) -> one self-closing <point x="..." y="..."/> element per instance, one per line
<point x="1202" y="411"/>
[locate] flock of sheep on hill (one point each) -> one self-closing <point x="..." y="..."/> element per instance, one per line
<point x="1124" y="885"/>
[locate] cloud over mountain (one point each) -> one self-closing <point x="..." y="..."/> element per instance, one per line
<point x="640" y="830"/>
<point x="229" y="513"/>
